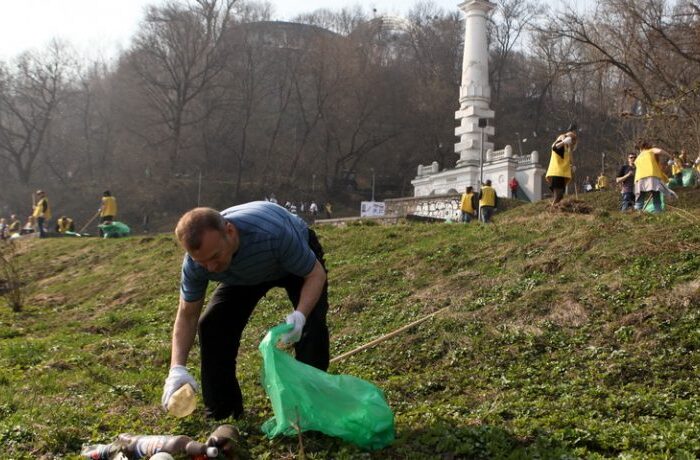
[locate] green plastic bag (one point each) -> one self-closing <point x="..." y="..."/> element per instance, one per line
<point x="649" y="207"/>
<point x="337" y="405"/>
<point x="688" y="177"/>
<point x="115" y="229"/>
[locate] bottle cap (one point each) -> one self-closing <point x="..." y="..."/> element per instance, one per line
<point x="183" y="402"/>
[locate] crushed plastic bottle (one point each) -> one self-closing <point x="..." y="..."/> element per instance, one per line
<point x="183" y="402"/>
<point x="101" y="451"/>
<point x="136" y="447"/>
<point x="140" y="446"/>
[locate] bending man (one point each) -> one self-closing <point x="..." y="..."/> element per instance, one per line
<point x="248" y="249"/>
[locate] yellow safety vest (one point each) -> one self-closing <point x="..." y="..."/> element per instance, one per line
<point x="648" y="166"/>
<point x="109" y="206"/>
<point x="64" y="224"/>
<point x="465" y="203"/>
<point x="602" y="183"/>
<point x="676" y="167"/>
<point x="39" y="209"/>
<point x="488" y="196"/>
<point x="558" y="166"/>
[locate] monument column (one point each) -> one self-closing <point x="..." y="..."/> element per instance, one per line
<point x="475" y="92"/>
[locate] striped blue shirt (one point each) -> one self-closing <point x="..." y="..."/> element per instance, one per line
<point x="273" y="244"/>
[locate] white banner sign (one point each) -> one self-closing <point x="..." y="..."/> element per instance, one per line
<point x="372" y="208"/>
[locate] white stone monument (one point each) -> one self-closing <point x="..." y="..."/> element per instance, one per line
<point x="474" y="103"/>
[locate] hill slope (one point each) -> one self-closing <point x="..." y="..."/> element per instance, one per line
<point x="569" y="335"/>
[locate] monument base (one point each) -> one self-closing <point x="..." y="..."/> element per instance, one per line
<point x="500" y="167"/>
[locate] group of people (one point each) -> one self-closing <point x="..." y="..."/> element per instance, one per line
<point x="678" y="162"/>
<point x="310" y="209"/>
<point x="480" y="205"/>
<point x="38" y="220"/>
<point x="642" y="180"/>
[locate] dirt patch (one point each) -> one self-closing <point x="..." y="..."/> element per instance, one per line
<point x="568" y="313"/>
<point x="634" y="319"/>
<point x="49" y="299"/>
<point x="573" y="206"/>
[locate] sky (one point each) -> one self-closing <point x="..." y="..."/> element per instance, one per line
<point x="101" y="28"/>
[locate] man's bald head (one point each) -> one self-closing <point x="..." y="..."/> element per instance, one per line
<point x="194" y="223"/>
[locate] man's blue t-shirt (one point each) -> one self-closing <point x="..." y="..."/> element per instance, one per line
<point x="273" y="244"/>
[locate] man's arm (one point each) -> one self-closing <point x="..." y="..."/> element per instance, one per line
<point x="662" y="152"/>
<point x="185" y="330"/>
<point x="311" y="289"/>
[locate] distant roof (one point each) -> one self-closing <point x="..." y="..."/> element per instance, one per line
<point x="385" y="24"/>
<point x="289" y="26"/>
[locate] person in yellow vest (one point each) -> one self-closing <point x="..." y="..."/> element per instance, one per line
<point x="65" y="224"/>
<point x="468" y="205"/>
<point x="108" y="208"/>
<point x="560" y="172"/>
<point x="677" y="169"/>
<point x="602" y="182"/>
<point x="15" y="225"/>
<point x="649" y="179"/>
<point x="28" y="226"/>
<point x="488" y="202"/>
<point x="42" y="212"/>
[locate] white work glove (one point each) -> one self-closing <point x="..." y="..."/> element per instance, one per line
<point x="297" y="319"/>
<point x="177" y="377"/>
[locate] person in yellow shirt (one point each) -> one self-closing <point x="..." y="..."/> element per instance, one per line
<point x="108" y="208"/>
<point x="677" y="169"/>
<point x="488" y="202"/>
<point x="649" y="179"/>
<point x="15" y="225"/>
<point x="28" y="226"/>
<point x="560" y="169"/>
<point x="65" y="224"/>
<point x="41" y="213"/>
<point x="602" y="182"/>
<point x="468" y="205"/>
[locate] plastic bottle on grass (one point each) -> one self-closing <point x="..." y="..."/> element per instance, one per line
<point x="183" y="402"/>
<point x="140" y="446"/>
<point x="101" y="451"/>
<point x="162" y="456"/>
<point x="224" y="439"/>
<point x="200" y="451"/>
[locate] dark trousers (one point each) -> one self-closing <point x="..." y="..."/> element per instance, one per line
<point x="222" y="324"/>
<point x="40" y="221"/>
<point x="626" y="201"/>
<point x="486" y="213"/>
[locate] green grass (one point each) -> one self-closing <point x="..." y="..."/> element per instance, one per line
<point x="568" y="336"/>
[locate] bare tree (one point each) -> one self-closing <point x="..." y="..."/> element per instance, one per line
<point x="177" y="53"/>
<point x="29" y="96"/>
<point x="654" y="52"/>
<point x="511" y="20"/>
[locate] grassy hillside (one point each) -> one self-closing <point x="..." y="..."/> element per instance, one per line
<point x="569" y="335"/>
